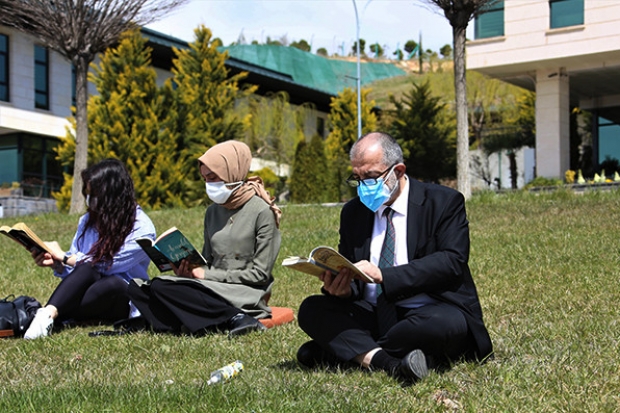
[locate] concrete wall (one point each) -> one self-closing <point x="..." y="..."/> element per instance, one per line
<point x="16" y="205"/>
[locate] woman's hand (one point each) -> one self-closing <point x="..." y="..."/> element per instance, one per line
<point x="185" y="270"/>
<point x="338" y="285"/>
<point x="43" y="259"/>
<point x="57" y="253"/>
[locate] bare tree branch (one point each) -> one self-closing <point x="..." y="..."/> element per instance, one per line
<point x="79" y="30"/>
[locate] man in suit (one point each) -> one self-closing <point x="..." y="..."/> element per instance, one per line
<point x="412" y="239"/>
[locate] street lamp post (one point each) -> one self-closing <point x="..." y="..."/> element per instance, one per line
<point x="359" y="74"/>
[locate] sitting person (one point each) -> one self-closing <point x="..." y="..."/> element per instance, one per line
<point x="241" y="244"/>
<point x="412" y="239"/>
<point x="103" y="257"/>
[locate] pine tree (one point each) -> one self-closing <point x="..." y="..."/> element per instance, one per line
<point x="206" y="97"/>
<point x="126" y="121"/>
<point x="418" y="125"/>
<point x="343" y="121"/>
<point x="310" y="175"/>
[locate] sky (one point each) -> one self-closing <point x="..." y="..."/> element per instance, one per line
<point x="329" y="24"/>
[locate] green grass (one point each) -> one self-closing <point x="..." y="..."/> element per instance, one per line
<point x="546" y="267"/>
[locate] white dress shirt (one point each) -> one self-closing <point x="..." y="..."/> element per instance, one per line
<point x="399" y="219"/>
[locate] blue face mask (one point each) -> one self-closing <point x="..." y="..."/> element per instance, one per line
<point x="373" y="196"/>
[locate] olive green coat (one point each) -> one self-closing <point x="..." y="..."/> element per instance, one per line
<point x="241" y="247"/>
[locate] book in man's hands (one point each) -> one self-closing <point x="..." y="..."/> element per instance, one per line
<point x="323" y="259"/>
<point x="170" y="248"/>
<point x="25" y="236"/>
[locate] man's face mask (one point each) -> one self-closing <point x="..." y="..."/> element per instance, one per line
<point x="373" y="196"/>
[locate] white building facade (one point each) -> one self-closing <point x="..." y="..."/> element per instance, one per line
<point x="568" y="52"/>
<point x="37" y="91"/>
<point x="35" y="102"/>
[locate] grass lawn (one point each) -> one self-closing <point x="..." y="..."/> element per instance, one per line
<point x="546" y="267"/>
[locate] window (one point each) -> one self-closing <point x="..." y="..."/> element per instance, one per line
<point x="564" y="13"/>
<point x="4" y="67"/>
<point x="490" y="23"/>
<point x="320" y="127"/>
<point x="41" y="78"/>
<point x="608" y="140"/>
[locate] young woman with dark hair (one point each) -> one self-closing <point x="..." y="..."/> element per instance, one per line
<point x="103" y="257"/>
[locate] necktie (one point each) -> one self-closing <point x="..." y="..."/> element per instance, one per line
<point x="386" y="312"/>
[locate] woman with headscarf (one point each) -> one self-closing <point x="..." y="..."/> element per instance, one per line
<point x="241" y="244"/>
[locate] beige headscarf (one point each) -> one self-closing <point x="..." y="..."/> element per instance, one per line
<point x="231" y="161"/>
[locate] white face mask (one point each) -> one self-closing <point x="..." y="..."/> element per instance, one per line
<point x="218" y="192"/>
<point x="87" y="201"/>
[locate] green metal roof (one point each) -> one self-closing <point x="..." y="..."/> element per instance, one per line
<point x="310" y="70"/>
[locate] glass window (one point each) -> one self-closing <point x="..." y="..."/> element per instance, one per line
<point x="490" y="23"/>
<point x="320" y="127"/>
<point x="41" y="78"/>
<point x="564" y="13"/>
<point x="4" y="67"/>
<point x="42" y="173"/>
<point x="9" y="167"/>
<point x="608" y="140"/>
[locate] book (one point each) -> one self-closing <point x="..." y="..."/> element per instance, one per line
<point x="169" y="249"/>
<point x="25" y="236"/>
<point x="323" y="259"/>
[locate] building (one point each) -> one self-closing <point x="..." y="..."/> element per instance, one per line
<point x="568" y="52"/>
<point x="37" y="92"/>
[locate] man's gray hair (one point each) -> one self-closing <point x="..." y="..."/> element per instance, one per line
<point x="392" y="153"/>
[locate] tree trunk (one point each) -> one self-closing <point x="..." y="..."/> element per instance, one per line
<point x="462" y="128"/>
<point x="81" y="133"/>
<point x="512" y="158"/>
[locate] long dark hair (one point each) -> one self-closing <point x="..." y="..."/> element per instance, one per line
<point x="111" y="207"/>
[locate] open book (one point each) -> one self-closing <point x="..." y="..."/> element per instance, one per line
<point x="25" y="236"/>
<point x="169" y="248"/>
<point x="323" y="259"/>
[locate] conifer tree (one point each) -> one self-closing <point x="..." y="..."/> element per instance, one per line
<point x="301" y="175"/>
<point x="206" y="97"/>
<point x="343" y="121"/>
<point x="126" y="122"/>
<point x="309" y="177"/>
<point x="417" y="123"/>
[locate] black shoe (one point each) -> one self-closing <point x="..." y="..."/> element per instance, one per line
<point x="311" y="355"/>
<point x="243" y="324"/>
<point x="413" y="367"/>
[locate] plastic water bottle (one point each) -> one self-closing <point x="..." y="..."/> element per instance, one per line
<point x="225" y="373"/>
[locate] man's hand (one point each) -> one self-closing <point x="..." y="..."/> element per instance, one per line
<point x="371" y="270"/>
<point x="338" y="285"/>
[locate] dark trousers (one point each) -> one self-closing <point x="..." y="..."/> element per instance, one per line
<point x="85" y="294"/>
<point x="170" y="305"/>
<point x="349" y="328"/>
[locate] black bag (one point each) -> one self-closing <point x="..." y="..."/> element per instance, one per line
<point x="16" y="315"/>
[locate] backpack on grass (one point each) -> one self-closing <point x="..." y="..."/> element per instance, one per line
<point x="16" y="315"/>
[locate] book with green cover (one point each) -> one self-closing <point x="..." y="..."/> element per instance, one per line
<point x="169" y="249"/>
